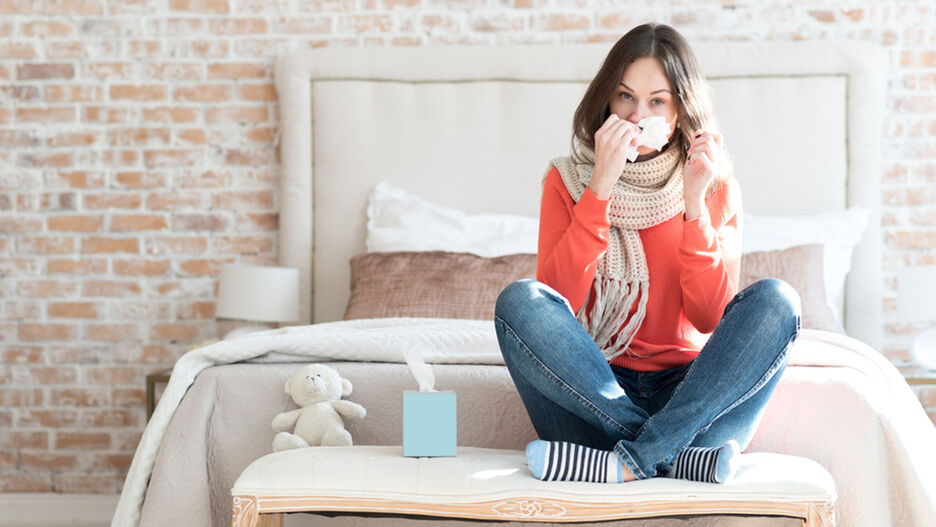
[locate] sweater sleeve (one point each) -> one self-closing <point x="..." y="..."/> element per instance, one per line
<point x="710" y="257"/>
<point x="572" y="236"/>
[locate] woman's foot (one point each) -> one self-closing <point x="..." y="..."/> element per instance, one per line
<point x="565" y="461"/>
<point x="710" y="465"/>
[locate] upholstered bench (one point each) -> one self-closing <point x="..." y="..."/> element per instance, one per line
<point x="495" y="484"/>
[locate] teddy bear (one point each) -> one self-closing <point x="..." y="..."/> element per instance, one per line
<point x="317" y="389"/>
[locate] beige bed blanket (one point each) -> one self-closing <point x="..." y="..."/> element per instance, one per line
<point x="839" y="403"/>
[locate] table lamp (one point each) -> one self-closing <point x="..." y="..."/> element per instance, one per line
<point x="260" y="294"/>
<point x="916" y="302"/>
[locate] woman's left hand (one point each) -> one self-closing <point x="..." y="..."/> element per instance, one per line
<point x="703" y="161"/>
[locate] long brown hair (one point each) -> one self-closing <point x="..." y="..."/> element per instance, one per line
<point x="690" y="89"/>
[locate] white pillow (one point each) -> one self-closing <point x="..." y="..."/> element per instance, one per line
<point x="400" y="221"/>
<point x="838" y="232"/>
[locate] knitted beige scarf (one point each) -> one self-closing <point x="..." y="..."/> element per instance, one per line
<point x="647" y="193"/>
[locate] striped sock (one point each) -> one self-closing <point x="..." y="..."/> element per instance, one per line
<point x="565" y="461"/>
<point x="710" y="465"/>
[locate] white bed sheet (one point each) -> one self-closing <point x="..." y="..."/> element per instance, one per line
<point x="840" y="403"/>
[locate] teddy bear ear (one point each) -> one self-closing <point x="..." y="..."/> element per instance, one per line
<point x="286" y="386"/>
<point x="345" y="387"/>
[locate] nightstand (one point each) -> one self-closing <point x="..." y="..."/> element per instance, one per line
<point x="161" y="377"/>
<point x="917" y="375"/>
<point x="923" y="383"/>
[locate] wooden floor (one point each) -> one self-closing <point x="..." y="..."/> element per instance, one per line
<point x="52" y="509"/>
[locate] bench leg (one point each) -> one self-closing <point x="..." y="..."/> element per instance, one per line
<point x="271" y="520"/>
<point x="820" y="515"/>
<point x="244" y="513"/>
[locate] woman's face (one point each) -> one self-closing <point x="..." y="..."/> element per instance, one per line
<point x="644" y="91"/>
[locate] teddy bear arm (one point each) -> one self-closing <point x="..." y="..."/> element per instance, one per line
<point x="349" y="409"/>
<point x="286" y="420"/>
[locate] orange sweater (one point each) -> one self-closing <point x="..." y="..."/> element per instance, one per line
<point x="694" y="267"/>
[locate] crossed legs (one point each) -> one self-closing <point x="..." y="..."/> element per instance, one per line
<point x="571" y="393"/>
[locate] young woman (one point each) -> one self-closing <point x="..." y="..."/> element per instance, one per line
<point x="634" y="352"/>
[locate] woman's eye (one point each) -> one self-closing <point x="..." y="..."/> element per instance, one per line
<point x="658" y="102"/>
<point x="626" y="96"/>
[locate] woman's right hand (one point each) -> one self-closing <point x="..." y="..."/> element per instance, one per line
<point x="611" y="142"/>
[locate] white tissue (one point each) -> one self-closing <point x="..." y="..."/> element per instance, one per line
<point x="653" y="134"/>
<point x="421" y="370"/>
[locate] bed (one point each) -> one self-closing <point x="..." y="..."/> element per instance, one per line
<point x="446" y="123"/>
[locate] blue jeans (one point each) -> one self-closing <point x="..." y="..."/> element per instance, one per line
<point x="572" y="393"/>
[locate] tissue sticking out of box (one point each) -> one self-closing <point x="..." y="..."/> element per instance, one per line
<point x="421" y="370"/>
<point x="653" y="134"/>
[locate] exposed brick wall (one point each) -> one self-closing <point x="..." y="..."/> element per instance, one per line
<point x="137" y="156"/>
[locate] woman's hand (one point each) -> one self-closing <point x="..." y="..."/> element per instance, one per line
<point x="611" y="141"/>
<point x="704" y="159"/>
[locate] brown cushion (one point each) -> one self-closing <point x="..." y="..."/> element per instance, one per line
<point x="441" y="284"/>
<point x="434" y="284"/>
<point x="801" y="267"/>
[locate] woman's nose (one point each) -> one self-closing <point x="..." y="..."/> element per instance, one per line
<point x="636" y="116"/>
<point x="640" y="111"/>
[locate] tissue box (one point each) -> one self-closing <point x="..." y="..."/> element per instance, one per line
<point x="429" y="423"/>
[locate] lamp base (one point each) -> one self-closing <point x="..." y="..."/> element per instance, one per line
<point x="243" y="330"/>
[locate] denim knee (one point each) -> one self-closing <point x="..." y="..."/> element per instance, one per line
<point x="779" y="298"/>
<point x="513" y="297"/>
<point x="525" y="295"/>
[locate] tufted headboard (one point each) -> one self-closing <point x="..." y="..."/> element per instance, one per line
<point x="473" y="127"/>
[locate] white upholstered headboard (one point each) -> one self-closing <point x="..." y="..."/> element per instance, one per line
<point x="473" y="127"/>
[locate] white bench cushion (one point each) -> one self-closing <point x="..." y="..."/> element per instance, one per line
<point x="496" y="483"/>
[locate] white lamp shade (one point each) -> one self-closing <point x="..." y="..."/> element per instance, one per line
<point x="916" y="293"/>
<point x="259" y="293"/>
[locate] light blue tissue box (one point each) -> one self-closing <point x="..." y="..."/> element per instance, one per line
<point x="429" y="424"/>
